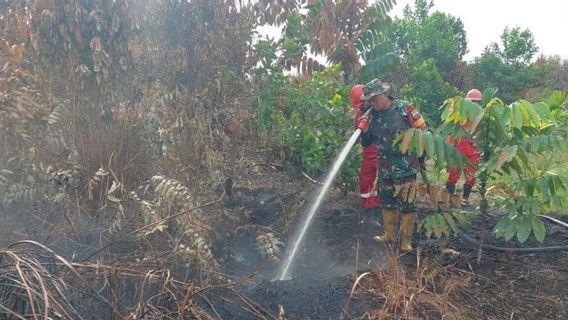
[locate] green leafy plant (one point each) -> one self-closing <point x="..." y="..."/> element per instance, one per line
<point x="506" y="136"/>
<point x="309" y="121"/>
<point x="445" y="224"/>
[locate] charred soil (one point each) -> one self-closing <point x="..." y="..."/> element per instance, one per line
<point x="442" y="281"/>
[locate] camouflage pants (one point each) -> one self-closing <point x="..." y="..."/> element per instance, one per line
<point x="387" y="198"/>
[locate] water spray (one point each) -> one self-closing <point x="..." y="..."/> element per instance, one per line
<point x="328" y="180"/>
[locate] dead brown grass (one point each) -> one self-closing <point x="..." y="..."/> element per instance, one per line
<point x="37" y="283"/>
<point x="422" y="292"/>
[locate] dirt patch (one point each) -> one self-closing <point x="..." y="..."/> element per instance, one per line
<point x="515" y="285"/>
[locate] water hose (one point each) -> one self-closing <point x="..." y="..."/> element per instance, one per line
<point x="521" y="250"/>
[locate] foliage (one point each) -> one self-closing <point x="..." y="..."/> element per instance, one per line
<point x="427" y="89"/>
<point x="517" y="46"/>
<point x="428" y="46"/>
<point x="506" y="66"/>
<point x="98" y="96"/>
<point x="378" y="56"/>
<point x="552" y="76"/>
<point x="331" y="30"/>
<point x="445" y="224"/>
<point x="506" y="135"/>
<point x="309" y="121"/>
<point x="31" y="149"/>
<point x="421" y="35"/>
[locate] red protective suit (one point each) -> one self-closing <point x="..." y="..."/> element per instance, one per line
<point x="369" y="163"/>
<point x="468" y="149"/>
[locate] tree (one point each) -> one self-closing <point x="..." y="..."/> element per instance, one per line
<point x="422" y="35"/>
<point x="506" y="66"/>
<point x="552" y="73"/>
<point x="517" y="46"/>
<point x="428" y="47"/>
<point x="327" y="28"/>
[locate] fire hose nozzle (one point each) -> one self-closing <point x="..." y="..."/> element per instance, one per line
<point x="363" y="124"/>
<point x="364" y="120"/>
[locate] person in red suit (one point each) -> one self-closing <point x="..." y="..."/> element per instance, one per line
<point x="368" y="171"/>
<point x="467" y="148"/>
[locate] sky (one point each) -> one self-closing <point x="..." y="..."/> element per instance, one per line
<point x="484" y="21"/>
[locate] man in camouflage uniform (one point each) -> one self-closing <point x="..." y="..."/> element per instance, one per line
<point x="397" y="171"/>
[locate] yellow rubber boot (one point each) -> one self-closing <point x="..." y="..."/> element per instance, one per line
<point x="406" y="229"/>
<point x="389" y="221"/>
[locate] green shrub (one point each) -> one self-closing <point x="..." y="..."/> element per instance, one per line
<point x="308" y="121"/>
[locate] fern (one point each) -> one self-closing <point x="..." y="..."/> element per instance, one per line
<point x="149" y="214"/>
<point x="268" y="244"/>
<point x="171" y="192"/>
<point x="161" y="196"/>
<point x="19" y="193"/>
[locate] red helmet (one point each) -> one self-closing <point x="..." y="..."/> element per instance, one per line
<point x="473" y="95"/>
<point x="356" y="94"/>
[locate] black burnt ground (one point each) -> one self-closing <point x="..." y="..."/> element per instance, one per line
<point x="505" y="285"/>
<point x="322" y="274"/>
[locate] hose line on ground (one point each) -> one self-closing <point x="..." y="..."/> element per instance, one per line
<point x="523" y="250"/>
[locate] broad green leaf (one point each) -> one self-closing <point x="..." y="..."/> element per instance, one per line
<point x="544" y="188"/>
<point x="476" y="121"/>
<point x="427" y="223"/>
<point x="430" y="146"/>
<point x="532" y="112"/>
<point x="510" y="229"/>
<point x="542" y="109"/>
<point x="534" y="144"/>
<point x="506" y="115"/>
<point x="462" y="218"/>
<point x="515" y="165"/>
<point x="436" y="227"/>
<point x="529" y="188"/>
<point x="444" y="229"/>
<point x="501" y="226"/>
<point x="420" y="144"/>
<point x="414" y="142"/>
<point x="524" y="227"/>
<point x="517" y="119"/>
<point x="524" y="158"/>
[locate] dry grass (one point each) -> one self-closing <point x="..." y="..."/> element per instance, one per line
<point x="424" y="292"/>
<point x="37" y="283"/>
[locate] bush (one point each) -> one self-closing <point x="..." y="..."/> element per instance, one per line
<point x="308" y="121"/>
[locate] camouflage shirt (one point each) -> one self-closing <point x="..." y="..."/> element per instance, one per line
<point x="384" y="127"/>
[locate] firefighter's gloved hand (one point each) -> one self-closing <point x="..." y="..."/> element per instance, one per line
<point x="406" y="192"/>
<point x="363" y="123"/>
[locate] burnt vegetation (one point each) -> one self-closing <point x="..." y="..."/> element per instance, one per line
<point x="145" y="143"/>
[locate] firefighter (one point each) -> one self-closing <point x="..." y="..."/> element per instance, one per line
<point x="397" y="171"/>
<point x="368" y="170"/>
<point x="467" y="148"/>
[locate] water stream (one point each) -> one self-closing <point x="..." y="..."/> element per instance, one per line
<point x="313" y="209"/>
